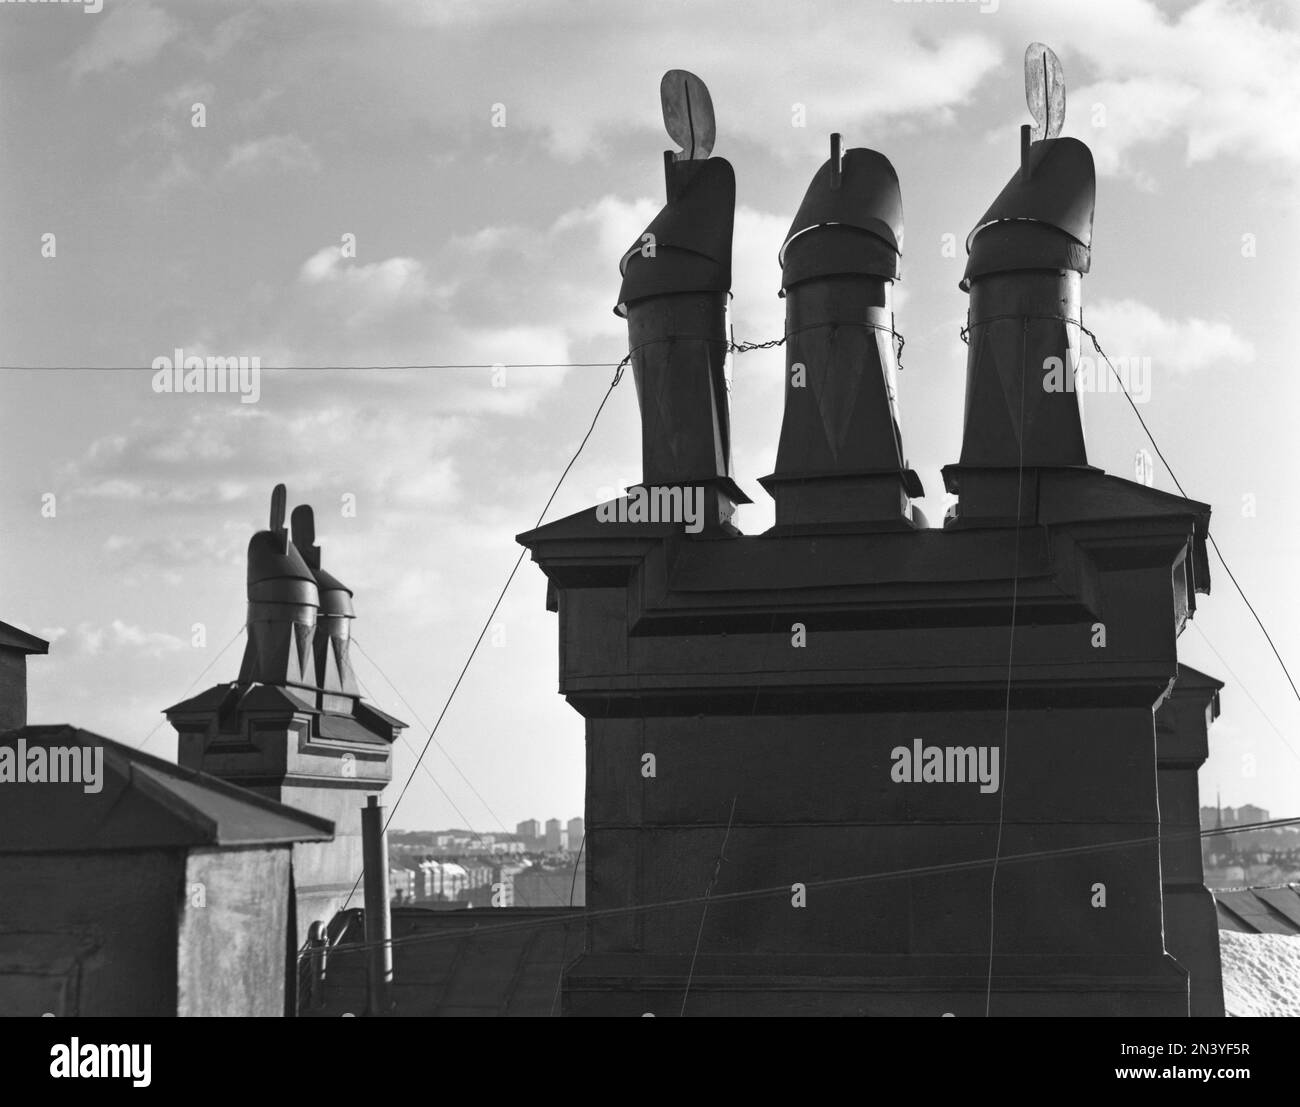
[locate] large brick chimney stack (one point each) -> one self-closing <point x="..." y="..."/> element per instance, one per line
<point x="843" y="728"/>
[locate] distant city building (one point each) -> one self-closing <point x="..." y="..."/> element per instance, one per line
<point x="576" y="830"/>
<point x="402" y="880"/>
<point x="547" y="887"/>
<point x="1245" y="815"/>
<point x="513" y="848"/>
<point x="457" y="843"/>
<point x="443" y="880"/>
<point x="554" y="835"/>
<point x="503" y="884"/>
<point x="478" y="871"/>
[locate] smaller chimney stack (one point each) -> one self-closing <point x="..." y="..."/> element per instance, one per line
<point x="294" y="727"/>
<point x="333" y="665"/>
<point x="282" y="605"/>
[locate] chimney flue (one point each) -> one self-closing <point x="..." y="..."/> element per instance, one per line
<point x="676" y="281"/>
<point x="840" y="462"/>
<point x="282" y="605"/>
<point x="333" y="663"/>
<point x="1027" y="257"/>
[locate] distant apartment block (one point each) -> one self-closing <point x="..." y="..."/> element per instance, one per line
<point x="554" y="835"/>
<point x="576" y="831"/>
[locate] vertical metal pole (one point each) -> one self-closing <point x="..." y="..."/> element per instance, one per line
<point x="318" y="961"/>
<point x="379" y="929"/>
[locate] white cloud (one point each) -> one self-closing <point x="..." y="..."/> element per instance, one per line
<point x="197" y="439"/>
<point x="757" y="310"/>
<point x="369" y="293"/>
<point x="1218" y="77"/>
<point x="153" y="643"/>
<point x="517" y="296"/>
<point x="150" y="552"/>
<point x="160" y="487"/>
<point x="451" y="13"/>
<point x="273" y="153"/>
<point x="113" y="489"/>
<point x="121" y="636"/>
<point x="227" y="34"/>
<point x="181" y="99"/>
<point x="755" y="86"/>
<point x="1130" y="329"/>
<point x="175" y="174"/>
<point x="123" y="37"/>
<point x="89" y="639"/>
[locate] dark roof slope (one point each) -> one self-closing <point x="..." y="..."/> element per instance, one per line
<point x="1260" y="910"/>
<point x="143" y="802"/>
<point x="13" y="638"/>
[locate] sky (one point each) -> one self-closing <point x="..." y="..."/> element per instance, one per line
<point x="492" y="161"/>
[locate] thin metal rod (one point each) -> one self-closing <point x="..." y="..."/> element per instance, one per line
<point x="379" y="924"/>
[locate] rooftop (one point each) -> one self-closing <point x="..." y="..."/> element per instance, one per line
<point x="143" y="802"/>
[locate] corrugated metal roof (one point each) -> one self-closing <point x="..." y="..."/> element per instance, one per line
<point x="143" y="802"/>
<point x="1260" y="910"/>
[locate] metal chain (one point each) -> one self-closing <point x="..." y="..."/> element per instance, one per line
<point x="745" y="347"/>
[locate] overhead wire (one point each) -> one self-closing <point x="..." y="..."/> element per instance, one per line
<point x="618" y="376"/>
<point x="941" y="869"/>
<point x="158" y="725"/>
<point x="738" y="347"/>
<point x="1177" y="484"/>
